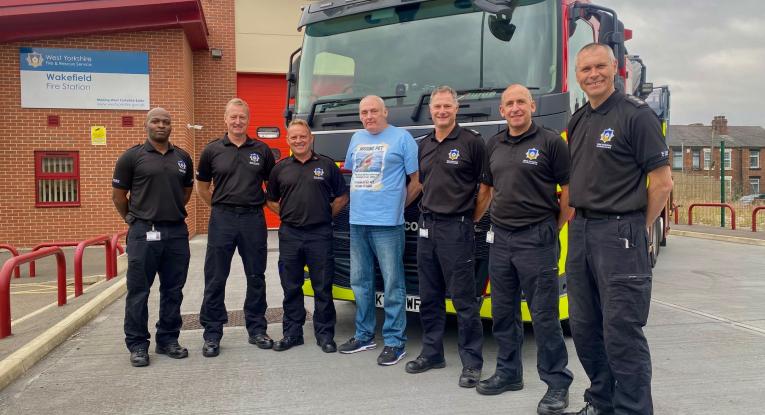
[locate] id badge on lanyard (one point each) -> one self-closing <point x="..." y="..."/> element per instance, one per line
<point x="153" y="235"/>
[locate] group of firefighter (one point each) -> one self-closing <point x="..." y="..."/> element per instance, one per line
<point x="609" y="182"/>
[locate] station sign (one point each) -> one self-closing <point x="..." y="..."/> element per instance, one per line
<point x="84" y="79"/>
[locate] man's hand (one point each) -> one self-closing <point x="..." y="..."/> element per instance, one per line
<point x="203" y="190"/>
<point x="120" y="200"/>
<point x="413" y="189"/>
<point x="659" y="188"/>
<point x="485" y="194"/>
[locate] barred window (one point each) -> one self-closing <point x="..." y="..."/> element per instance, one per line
<point x="57" y="178"/>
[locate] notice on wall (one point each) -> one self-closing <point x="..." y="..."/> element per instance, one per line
<point x="84" y="79"/>
<point x="98" y="135"/>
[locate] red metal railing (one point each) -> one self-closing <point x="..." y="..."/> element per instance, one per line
<point x="720" y="205"/>
<point x="5" y="282"/>
<point x="115" y="246"/>
<point x="14" y="252"/>
<point x="80" y="250"/>
<point x="32" y="268"/>
<point x="754" y="217"/>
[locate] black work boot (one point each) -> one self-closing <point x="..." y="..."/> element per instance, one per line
<point x="139" y="357"/>
<point x="554" y="402"/>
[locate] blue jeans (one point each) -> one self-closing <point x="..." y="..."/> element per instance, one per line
<point x="387" y="244"/>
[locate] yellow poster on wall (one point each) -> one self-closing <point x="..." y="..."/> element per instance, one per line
<point x="98" y="135"/>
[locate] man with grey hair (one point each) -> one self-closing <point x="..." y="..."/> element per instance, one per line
<point x="159" y="178"/>
<point x="616" y="146"/>
<point x="238" y="166"/>
<point x="381" y="157"/>
<point x="451" y="161"/>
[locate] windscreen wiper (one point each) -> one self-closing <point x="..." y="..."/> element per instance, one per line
<point x="334" y="103"/>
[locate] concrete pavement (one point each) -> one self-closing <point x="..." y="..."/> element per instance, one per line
<point x="706" y="331"/>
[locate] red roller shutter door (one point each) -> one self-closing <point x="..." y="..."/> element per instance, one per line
<point x="266" y="95"/>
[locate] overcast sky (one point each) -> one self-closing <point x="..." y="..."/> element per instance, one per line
<point x="710" y="53"/>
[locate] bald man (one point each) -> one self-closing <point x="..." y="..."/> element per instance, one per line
<point x="152" y="184"/>
<point x="380" y="157"/>
<point x="525" y="164"/>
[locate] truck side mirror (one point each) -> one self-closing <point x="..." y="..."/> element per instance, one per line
<point x="645" y="89"/>
<point x="500" y="26"/>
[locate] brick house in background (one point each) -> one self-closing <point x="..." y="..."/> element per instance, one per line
<point x="695" y="151"/>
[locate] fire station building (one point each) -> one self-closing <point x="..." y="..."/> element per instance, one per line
<point x="78" y="77"/>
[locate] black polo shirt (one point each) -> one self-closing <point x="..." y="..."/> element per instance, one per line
<point x="525" y="171"/>
<point x="305" y="190"/>
<point x="156" y="181"/>
<point x="613" y="148"/>
<point x="450" y="171"/>
<point x="238" y="173"/>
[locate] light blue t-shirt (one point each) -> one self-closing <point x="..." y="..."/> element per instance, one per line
<point x="380" y="163"/>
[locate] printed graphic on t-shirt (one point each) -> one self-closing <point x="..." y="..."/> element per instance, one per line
<point x="368" y="167"/>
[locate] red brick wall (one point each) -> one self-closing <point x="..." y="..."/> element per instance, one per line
<point x="189" y="84"/>
<point x="214" y="84"/>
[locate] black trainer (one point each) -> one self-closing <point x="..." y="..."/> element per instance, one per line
<point x="353" y="345"/>
<point x="423" y="364"/>
<point x="554" y="402"/>
<point x="173" y="350"/>
<point x="139" y="357"/>
<point x="287" y="343"/>
<point x="390" y="355"/>
<point x="499" y="383"/>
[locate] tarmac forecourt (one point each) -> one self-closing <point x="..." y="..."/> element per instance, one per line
<point x="708" y="352"/>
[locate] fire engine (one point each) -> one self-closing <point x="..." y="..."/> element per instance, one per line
<point x="402" y="49"/>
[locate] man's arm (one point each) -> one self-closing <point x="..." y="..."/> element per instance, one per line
<point x="339" y="203"/>
<point x="203" y="190"/>
<point x="187" y="194"/>
<point x="413" y="189"/>
<point x="659" y="188"/>
<point x="273" y="206"/>
<point x="120" y="200"/>
<point x="566" y="211"/>
<point x="485" y="194"/>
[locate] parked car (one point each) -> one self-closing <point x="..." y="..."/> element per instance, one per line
<point x="748" y="199"/>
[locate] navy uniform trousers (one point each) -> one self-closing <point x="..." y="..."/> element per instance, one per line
<point x="527" y="259"/>
<point x="445" y="263"/>
<point x="168" y="257"/>
<point x="242" y="229"/>
<point x="609" y="289"/>
<point x="307" y="246"/>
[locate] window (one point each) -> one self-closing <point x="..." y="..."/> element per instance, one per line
<point x="583" y="34"/>
<point x="696" y="159"/>
<point x="728" y="187"/>
<point x="57" y="178"/>
<point x="707" y="158"/>
<point x="754" y="159"/>
<point x="754" y="185"/>
<point x="728" y="155"/>
<point x="677" y="158"/>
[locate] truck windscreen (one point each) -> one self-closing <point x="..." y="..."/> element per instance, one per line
<point x="408" y="50"/>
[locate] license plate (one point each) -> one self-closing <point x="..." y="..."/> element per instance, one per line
<point x="412" y="302"/>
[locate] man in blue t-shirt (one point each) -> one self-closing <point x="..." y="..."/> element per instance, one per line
<point x="380" y="157"/>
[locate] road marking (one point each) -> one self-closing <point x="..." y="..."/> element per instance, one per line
<point x="54" y="304"/>
<point x="715" y="237"/>
<point x="733" y="323"/>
